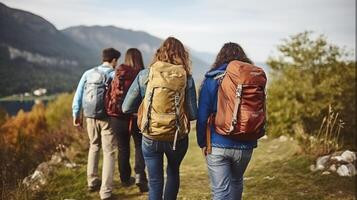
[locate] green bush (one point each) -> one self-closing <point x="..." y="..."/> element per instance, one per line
<point x="59" y="112"/>
<point x="307" y="77"/>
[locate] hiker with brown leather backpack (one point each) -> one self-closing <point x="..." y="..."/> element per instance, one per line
<point x="89" y="95"/>
<point x="167" y="97"/>
<point x="231" y="117"/>
<point x="125" y="125"/>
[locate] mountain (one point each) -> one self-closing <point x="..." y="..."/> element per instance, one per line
<point x="33" y="54"/>
<point x="99" y="37"/>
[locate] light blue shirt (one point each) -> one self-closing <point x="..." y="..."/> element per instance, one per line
<point x="78" y="96"/>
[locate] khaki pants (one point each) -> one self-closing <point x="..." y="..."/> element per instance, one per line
<point x="101" y="135"/>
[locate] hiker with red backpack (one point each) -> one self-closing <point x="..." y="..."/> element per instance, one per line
<point x="125" y="125"/>
<point x="89" y="95"/>
<point x="231" y="117"/>
<point x="166" y="96"/>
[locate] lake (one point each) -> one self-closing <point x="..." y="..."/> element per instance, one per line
<point x="13" y="107"/>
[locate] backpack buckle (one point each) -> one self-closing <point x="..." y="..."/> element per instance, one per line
<point x="239" y="90"/>
<point x="177" y="99"/>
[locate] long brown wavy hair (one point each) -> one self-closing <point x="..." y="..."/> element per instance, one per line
<point x="134" y="59"/>
<point x="172" y="51"/>
<point x="229" y="52"/>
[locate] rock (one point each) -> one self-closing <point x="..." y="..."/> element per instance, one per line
<point x="39" y="177"/>
<point x="313" y="168"/>
<point x="35" y="181"/>
<point x="71" y="165"/>
<point x="338" y="159"/>
<point x="283" y="138"/>
<point x="55" y="159"/>
<point x="321" y="162"/>
<point x="351" y="169"/>
<point x="348" y="156"/>
<point x="45" y="168"/>
<point x="346" y="170"/>
<point x="333" y="168"/>
<point x="326" y="173"/>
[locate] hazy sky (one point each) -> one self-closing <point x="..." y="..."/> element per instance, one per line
<point x="205" y="25"/>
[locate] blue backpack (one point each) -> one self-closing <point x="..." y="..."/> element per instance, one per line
<point x="94" y="92"/>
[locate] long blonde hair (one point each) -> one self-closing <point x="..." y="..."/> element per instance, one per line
<point x="172" y="51"/>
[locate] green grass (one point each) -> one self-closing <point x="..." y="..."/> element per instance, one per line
<point x="288" y="170"/>
<point x="291" y="177"/>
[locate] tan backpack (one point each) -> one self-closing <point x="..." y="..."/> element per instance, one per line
<point x="161" y="115"/>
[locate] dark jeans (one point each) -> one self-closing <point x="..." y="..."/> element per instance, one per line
<point x="121" y="129"/>
<point x="153" y="154"/>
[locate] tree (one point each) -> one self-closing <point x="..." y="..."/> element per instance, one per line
<point x="308" y="75"/>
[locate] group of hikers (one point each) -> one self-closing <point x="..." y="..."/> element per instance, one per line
<point x="155" y="105"/>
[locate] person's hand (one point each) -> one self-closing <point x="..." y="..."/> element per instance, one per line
<point x="204" y="151"/>
<point x="77" y="122"/>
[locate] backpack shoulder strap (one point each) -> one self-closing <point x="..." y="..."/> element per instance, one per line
<point x="219" y="77"/>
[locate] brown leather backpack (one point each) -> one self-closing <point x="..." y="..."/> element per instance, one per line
<point x="241" y="102"/>
<point x="114" y="97"/>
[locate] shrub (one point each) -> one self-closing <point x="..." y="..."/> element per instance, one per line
<point x="29" y="138"/>
<point x="307" y="76"/>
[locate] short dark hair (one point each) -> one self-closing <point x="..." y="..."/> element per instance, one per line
<point x="109" y="54"/>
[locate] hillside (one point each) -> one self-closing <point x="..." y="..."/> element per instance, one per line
<point x="277" y="171"/>
<point x="33" y="53"/>
<point x="99" y="37"/>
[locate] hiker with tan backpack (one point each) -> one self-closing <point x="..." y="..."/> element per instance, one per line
<point x="167" y="97"/>
<point x="231" y="117"/>
<point x="125" y="125"/>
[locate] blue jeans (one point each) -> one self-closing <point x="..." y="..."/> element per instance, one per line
<point x="153" y="152"/>
<point x="226" y="168"/>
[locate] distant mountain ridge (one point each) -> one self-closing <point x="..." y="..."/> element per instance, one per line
<point x="34" y="54"/>
<point x="99" y="37"/>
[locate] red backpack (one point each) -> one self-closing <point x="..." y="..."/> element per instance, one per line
<point x="240" y="103"/>
<point x="114" y="97"/>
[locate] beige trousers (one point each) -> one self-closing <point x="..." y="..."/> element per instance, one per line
<point x="101" y="135"/>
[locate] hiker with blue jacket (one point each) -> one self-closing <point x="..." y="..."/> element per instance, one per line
<point x="231" y="117"/>
<point x="164" y="96"/>
<point x="89" y="95"/>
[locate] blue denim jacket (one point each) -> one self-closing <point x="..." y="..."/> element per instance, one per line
<point x="78" y="96"/>
<point x="207" y="104"/>
<point x="137" y="90"/>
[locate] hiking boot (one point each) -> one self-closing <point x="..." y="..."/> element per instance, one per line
<point x="95" y="187"/>
<point x="143" y="187"/>
<point x="128" y="183"/>
<point x="141" y="183"/>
